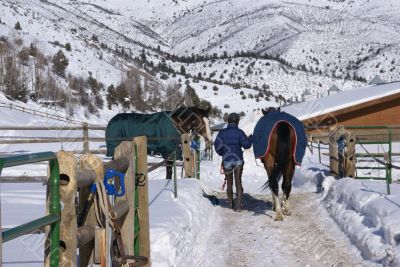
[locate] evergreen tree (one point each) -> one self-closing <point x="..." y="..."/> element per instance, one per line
<point x="17" y="26"/>
<point x="190" y="96"/>
<point x="60" y="63"/>
<point x="183" y="70"/>
<point x="111" y="96"/>
<point x="68" y="47"/>
<point x="122" y="95"/>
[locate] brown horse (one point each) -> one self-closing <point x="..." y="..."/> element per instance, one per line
<point x="279" y="161"/>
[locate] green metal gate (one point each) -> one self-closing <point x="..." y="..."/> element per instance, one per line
<point x="53" y="219"/>
<point x="383" y="159"/>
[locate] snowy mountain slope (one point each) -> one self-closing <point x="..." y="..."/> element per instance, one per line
<point x="323" y="34"/>
<point x="258" y="73"/>
<point x="315" y="43"/>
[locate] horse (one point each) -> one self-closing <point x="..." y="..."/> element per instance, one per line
<point x="285" y="149"/>
<point x="163" y="130"/>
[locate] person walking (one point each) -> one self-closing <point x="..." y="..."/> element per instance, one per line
<point x="228" y="145"/>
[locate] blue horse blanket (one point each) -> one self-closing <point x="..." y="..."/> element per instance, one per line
<point x="264" y="128"/>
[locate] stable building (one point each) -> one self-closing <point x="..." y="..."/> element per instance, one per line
<point x="374" y="105"/>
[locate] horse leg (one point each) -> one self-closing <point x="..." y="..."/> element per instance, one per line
<point x="269" y="162"/>
<point x="273" y="184"/>
<point x="169" y="164"/>
<point x="287" y="186"/>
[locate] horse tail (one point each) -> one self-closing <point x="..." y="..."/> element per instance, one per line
<point x="283" y="156"/>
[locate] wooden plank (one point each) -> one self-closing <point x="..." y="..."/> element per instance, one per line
<point x="126" y="151"/>
<point x="187" y="156"/>
<point x="85" y="134"/>
<point x="51" y="128"/>
<point x="23" y="179"/>
<point x="100" y="247"/>
<point x="89" y="162"/>
<point x="68" y="225"/>
<point x="144" y="234"/>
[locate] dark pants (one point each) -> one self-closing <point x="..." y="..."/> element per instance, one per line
<point x="235" y="172"/>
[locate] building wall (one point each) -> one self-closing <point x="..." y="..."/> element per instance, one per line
<point x="385" y="113"/>
<point x="381" y="114"/>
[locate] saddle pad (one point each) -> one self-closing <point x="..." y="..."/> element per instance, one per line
<point x="264" y="128"/>
<point x="162" y="136"/>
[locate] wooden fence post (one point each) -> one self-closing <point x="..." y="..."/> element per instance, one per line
<point x="350" y="159"/>
<point x="68" y="225"/>
<point x="333" y="153"/>
<point x="187" y="156"/>
<point x="127" y="150"/>
<point x="85" y="128"/>
<point x="89" y="162"/>
<point x="144" y="235"/>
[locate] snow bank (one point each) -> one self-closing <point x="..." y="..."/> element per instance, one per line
<point x="178" y="226"/>
<point x="363" y="211"/>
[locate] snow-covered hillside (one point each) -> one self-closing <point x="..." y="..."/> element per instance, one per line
<point x="289" y="47"/>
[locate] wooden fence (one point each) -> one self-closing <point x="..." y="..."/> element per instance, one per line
<point x="97" y="223"/>
<point x="40" y="113"/>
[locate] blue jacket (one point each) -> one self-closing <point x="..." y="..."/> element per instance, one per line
<point x="229" y="143"/>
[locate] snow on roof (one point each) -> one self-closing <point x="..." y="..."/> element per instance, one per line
<point x="331" y="103"/>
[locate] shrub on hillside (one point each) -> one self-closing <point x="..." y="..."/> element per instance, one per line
<point x="23" y="56"/>
<point x="17" y="26"/>
<point x="68" y="47"/>
<point x="60" y="63"/>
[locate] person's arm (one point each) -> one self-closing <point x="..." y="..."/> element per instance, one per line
<point x="245" y="141"/>
<point x="218" y="145"/>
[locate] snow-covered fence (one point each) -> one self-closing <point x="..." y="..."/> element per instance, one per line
<point x="58" y="137"/>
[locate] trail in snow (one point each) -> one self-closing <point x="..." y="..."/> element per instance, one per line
<point x="252" y="238"/>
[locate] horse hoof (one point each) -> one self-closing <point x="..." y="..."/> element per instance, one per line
<point x="287" y="213"/>
<point x="278" y="217"/>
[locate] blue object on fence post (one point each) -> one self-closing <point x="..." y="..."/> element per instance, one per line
<point x="109" y="183"/>
<point x="195" y="144"/>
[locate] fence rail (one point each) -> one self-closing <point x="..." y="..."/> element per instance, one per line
<point x="39" y="113"/>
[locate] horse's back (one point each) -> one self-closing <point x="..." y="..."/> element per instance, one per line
<point x="158" y="127"/>
<point x="265" y="136"/>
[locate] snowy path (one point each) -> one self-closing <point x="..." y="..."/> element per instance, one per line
<point x="252" y="238"/>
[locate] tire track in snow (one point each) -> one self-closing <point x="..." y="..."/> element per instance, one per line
<point x="252" y="238"/>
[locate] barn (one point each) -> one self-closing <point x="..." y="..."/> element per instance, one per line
<point x="374" y="105"/>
